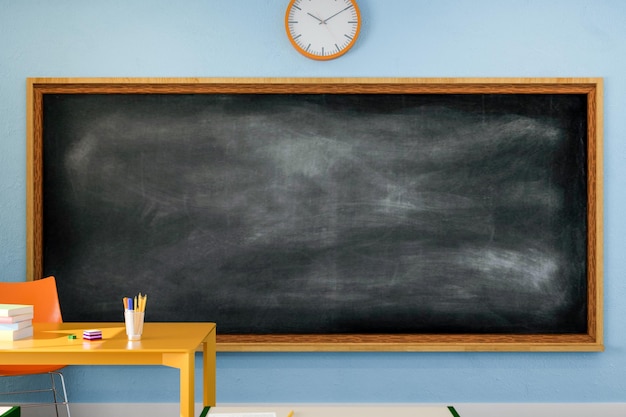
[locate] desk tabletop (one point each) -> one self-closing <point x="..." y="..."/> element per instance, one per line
<point x="157" y="337"/>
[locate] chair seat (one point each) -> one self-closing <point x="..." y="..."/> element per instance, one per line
<point x="14" y="370"/>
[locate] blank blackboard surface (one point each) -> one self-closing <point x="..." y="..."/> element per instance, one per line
<point x="326" y="213"/>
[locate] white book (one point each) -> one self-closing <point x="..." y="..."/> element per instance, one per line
<point x="16" y="326"/>
<point x="10" y="310"/>
<point x="15" y="319"/>
<point x="16" y="334"/>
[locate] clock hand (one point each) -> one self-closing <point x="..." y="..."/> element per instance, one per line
<point x="316" y="18"/>
<point x="340" y="11"/>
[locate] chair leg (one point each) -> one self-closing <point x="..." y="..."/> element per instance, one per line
<point x="65" y="400"/>
<point x="53" y="387"/>
<point x="54" y="393"/>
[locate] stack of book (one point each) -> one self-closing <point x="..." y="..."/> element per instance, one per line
<point x="16" y="321"/>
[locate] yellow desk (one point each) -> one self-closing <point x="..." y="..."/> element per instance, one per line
<point x="169" y="344"/>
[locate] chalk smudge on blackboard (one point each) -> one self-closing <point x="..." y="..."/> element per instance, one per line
<point x="318" y="214"/>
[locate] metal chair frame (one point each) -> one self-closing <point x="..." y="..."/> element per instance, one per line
<point x="53" y="390"/>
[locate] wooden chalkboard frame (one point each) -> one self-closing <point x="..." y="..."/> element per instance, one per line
<point x="591" y="340"/>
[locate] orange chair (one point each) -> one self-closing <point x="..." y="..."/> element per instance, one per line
<point x="42" y="294"/>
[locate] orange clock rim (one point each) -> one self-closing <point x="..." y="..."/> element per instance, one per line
<point x="325" y="57"/>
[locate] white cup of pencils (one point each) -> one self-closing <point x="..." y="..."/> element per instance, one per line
<point x="134" y="314"/>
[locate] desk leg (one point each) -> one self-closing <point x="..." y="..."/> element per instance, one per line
<point x="185" y="362"/>
<point x="209" y="370"/>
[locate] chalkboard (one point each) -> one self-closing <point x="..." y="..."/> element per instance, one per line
<point x="303" y="211"/>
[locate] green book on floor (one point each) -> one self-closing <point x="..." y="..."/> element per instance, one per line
<point x="9" y="411"/>
<point x="330" y="411"/>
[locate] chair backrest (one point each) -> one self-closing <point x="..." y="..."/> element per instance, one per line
<point x="41" y="293"/>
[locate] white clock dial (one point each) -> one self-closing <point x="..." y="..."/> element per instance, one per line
<point x="322" y="29"/>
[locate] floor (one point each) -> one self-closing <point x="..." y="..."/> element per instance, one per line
<point x="350" y="410"/>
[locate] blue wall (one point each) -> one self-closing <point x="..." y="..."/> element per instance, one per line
<point x="399" y="38"/>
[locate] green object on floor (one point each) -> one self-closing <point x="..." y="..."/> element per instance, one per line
<point x="453" y="411"/>
<point x="10" y="412"/>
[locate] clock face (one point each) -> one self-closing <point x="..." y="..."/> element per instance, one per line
<point x="322" y="29"/>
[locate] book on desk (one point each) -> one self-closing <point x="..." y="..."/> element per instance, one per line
<point x="16" y="321"/>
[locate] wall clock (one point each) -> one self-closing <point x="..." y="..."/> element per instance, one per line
<point x="322" y="29"/>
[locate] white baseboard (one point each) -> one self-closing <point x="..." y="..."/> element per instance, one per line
<point x="347" y="410"/>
